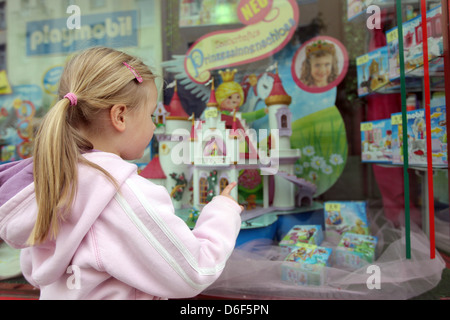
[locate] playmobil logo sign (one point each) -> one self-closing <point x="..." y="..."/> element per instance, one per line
<point x="55" y="36"/>
<point x="380" y="124"/>
<point x="414" y="115"/>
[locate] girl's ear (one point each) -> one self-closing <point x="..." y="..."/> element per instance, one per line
<point x="117" y="115"/>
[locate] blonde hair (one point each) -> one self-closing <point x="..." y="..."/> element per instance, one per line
<point x="99" y="79"/>
<point x="228" y="88"/>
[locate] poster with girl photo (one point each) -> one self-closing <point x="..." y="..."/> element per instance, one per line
<point x="320" y="64"/>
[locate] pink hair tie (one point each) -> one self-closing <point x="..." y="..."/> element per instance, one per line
<point x="134" y="72"/>
<point x="72" y="98"/>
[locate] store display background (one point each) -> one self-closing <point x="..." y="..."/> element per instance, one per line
<point x="328" y="101"/>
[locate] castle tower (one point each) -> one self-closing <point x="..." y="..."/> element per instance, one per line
<point x="212" y="114"/>
<point x="172" y="161"/>
<point x="280" y="117"/>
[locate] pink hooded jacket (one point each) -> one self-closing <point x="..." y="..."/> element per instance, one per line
<point x="117" y="245"/>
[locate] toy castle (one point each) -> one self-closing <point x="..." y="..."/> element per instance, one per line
<point x="198" y="158"/>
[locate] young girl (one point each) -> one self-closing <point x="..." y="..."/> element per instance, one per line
<point x="320" y="67"/>
<point x="90" y="227"/>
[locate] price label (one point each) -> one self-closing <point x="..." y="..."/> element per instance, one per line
<point x="330" y="206"/>
<point x="366" y="126"/>
<point x="392" y="36"/>
<point x="396" y="119"/>
<point x="211" y="113"/>
<point x="362" y="59"/>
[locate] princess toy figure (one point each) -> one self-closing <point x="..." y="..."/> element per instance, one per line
<point x="230" y="97"/>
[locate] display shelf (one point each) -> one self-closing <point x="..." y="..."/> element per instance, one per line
<point x="414" y="78"/>
<point x="423" y="69"/>
<point x="423" y="167"/>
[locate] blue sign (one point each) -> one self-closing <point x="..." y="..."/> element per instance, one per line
<point x="51" y="80"/>
<point x="114" y="29"/>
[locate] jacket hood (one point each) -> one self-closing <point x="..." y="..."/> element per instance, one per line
<point x="18" y="211"/>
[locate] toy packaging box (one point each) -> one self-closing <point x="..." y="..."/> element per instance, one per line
<point x="393" y="53"/>
<point x="355" y="251"/>
<point x="413" y="38"/>
<point x="417" y="144"/>
<point x="376" y="141"/>
<point x="354" y="8"/>
<point x="413" y="42"/>
<point x="301" y="234"/>
<point x="372" y="71"/>
<point x="397" y="138"/>
<point x="346" y="216"/>
<point x="413" y="49"/>
<point x="439" y="135"/>
<point x="306" y="265"/>
<point x="416" y="129"/>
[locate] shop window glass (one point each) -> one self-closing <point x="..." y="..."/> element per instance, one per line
<point x="319" y="53"/>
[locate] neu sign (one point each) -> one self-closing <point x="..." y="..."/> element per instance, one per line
<point x="253" y="11"/>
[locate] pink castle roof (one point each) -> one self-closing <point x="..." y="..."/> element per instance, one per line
<point x="278" y="94"/>
<point x="176" y="108"/>
<point x="277" y="89"/>
<point x="153" y="170"/>
<point x="212" y="98"/>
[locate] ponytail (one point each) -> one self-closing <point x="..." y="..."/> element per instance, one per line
<point x="55" y="171"/>
<point x="57" y="153"/>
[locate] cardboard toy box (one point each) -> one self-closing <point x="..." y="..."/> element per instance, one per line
<point x="417" y="144"/>
<point x="301" y="234"/>
<point x="376" y="141"/>
<point x="393" y="53"/>
<point x="346" y="216"/>
<point x="397" y="138"/>
<point x="355" y="250"/>
<point x="439" y="135"/>
<point x="413" y="42"/>
<point x="354" y="8"/>
<point x="416" y="130"/>
<point x="413" y="38"/>
<point x="306" y="265"/>
<point x="372" y="71"/>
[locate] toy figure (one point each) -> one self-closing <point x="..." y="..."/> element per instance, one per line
<point x="420" y="129"/>
<point x="358" y="228"/>
<point x="320" y="67"/>
<point x="251" y="202"/>
<point x="301" y="254"/>
<point x="334" y="218"/>
<point x="230" y="97"/>
<point x="388" y="141"/>
<point x="348" y="243"/>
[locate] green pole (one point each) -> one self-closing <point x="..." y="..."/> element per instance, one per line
<point x="404" y="126"/>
